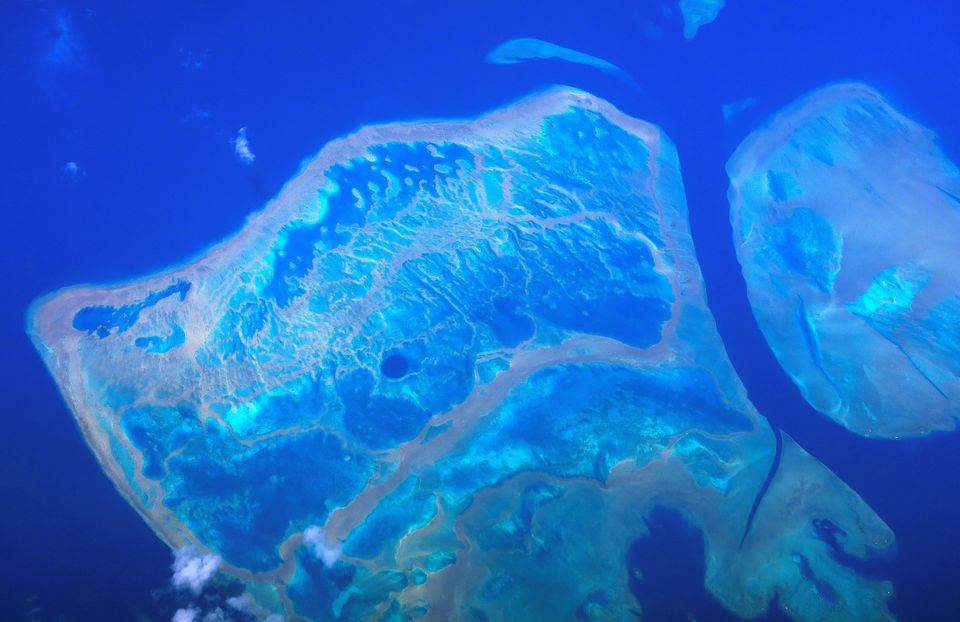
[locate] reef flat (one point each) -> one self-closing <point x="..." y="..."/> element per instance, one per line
<point x="524" y="49"/>
<point x="698" y="13"/>
<point x="446" y="374"/>
<point x="846" y="216"/>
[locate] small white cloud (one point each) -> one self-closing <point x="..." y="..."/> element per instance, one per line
<point x="72" y="170"/>
<point x="246" y="605"/>
<point x="185" y="615"/>
<point x="240" y="603"/>
<point x="193" y="569"/>
<point x="194" y="60"/>
<point x="732" y="110"/>
<point x="217" y="615"/>
<point x="241" y="146"/>
<point x="65" y="51"/>
<point x="326" y="552"/>
<point x="198" y="114"/>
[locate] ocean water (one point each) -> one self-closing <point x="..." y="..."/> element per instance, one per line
<point x="144" y="102"/>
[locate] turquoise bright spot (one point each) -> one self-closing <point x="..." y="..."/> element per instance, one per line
<point x="891" y="292"/>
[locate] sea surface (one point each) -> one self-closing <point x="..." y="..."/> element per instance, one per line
<point x="116" y="122"/>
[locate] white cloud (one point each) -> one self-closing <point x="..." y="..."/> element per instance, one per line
<point x="198" y="114"/>
<point x="72" y="170"/>
<point x="185" y="615"/>
<point x="246" y="605"/>
<point x="241" y="146"/>
<point x="217" y="615"/>
<point x="193" y="569"/>
<point x="65" y="51"/>
<point x="326" y="552"/>
<point x="240" y="603"/>
<point x="194" y="60"/>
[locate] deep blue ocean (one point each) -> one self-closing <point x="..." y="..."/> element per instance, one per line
<point x="144" y="98"/>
